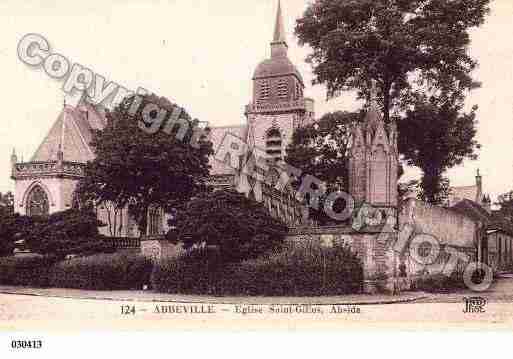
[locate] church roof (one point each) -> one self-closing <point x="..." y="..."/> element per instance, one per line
<point x="216" y="136"/>
<point x="72" y="133"/>
<point x="464" y="192"/>
<point x="275" y="67"/>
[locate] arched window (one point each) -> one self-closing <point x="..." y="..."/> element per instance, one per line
<point x="273" y="144"/>
<point x="273" y="176"/>
<point x="37" y="202"/>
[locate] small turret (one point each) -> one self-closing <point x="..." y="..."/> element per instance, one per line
<point x="14" y="161"/>
<point x="479" y="185"/>
<point x="14" y="158"/>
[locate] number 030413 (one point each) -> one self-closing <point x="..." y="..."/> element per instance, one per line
<point x="26" y="344"/>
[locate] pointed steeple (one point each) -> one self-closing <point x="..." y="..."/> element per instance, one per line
<point x="279" y="45"/>
<point x="373" y="116"/>
<point x="374" y="94"/>
<point x="279" y="27"/>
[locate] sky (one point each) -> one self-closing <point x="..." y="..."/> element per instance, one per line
<point x="201" y="54"/>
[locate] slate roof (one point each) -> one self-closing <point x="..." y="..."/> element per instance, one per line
<point x="465" y="192"/>
<point x="72" y="132"/>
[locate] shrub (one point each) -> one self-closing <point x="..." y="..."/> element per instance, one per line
<point x="305" y="271"/>
<point x="102" y="272"/>
<point x="437" y="283"/>
<point x="193" y="272"/>
<point x="25" y="271"/>
<point x="240" y="227"/>
<point x="63" y="233"/>
<point x="11" y="228"/>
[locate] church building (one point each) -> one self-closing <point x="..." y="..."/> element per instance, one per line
<point x="46" y="184"/>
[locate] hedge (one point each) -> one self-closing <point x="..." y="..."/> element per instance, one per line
<point x="25" y="271"/>
<point x="102" y="272"/>
<point x="293" y="272"/>
<point x="97" y="272"/>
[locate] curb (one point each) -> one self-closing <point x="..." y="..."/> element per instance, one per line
<point x="196" y="301"/>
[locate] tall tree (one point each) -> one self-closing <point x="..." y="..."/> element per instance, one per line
<point x="399" y="43"/>
<point x="435" y="136"/>
<point x="141" y="162"/>
<point x="409" y="48"/>
<point x="320" y="150"/>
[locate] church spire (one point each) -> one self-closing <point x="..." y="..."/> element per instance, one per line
<point x="279" y="27"/>
<point x="279" y="45"/>
<point x="373" y="114"/>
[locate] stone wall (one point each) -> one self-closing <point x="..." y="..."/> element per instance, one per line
<point x="453" y="231"/>
<point x="373" y="248"/>
<point x="158" y="249"/>
<point x="377" y="251"/>
<point x="449" y="227"/>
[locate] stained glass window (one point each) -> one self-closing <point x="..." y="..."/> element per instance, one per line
<point x="37" y="202"/>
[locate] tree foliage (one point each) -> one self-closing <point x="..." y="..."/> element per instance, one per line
<point x="436" y="136"/>
<point x="69" y="232"/>
<point x="320" y="150"/>
<point x="9" y="225"/>
<point x="402" y="44"/>
<point x="6" y="204"/>
<point x="414" y="50"/>
<point x="138" y="168"/>
<point x="505" y="203"/>
<point x="240" y="227"/>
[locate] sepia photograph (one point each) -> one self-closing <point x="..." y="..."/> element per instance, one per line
<point x="259" y="164"/>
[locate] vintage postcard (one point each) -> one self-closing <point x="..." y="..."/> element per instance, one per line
<point x="257" y="164"/>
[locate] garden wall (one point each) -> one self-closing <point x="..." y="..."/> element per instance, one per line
<point x="373" y="248"/>
<point x="453" y="230"/>
<point x="450" y="227"/>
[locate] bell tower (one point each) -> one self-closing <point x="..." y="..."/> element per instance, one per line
<point x="277" y="107"/>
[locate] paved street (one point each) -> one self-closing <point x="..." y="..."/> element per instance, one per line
<point x="500" y="292"/>
<point x="25" y="312"/>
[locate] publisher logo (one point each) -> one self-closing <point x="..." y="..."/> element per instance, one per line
<point x="474" y="305"/>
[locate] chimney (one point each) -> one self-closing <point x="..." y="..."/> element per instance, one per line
<point x="479" y="184"/>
